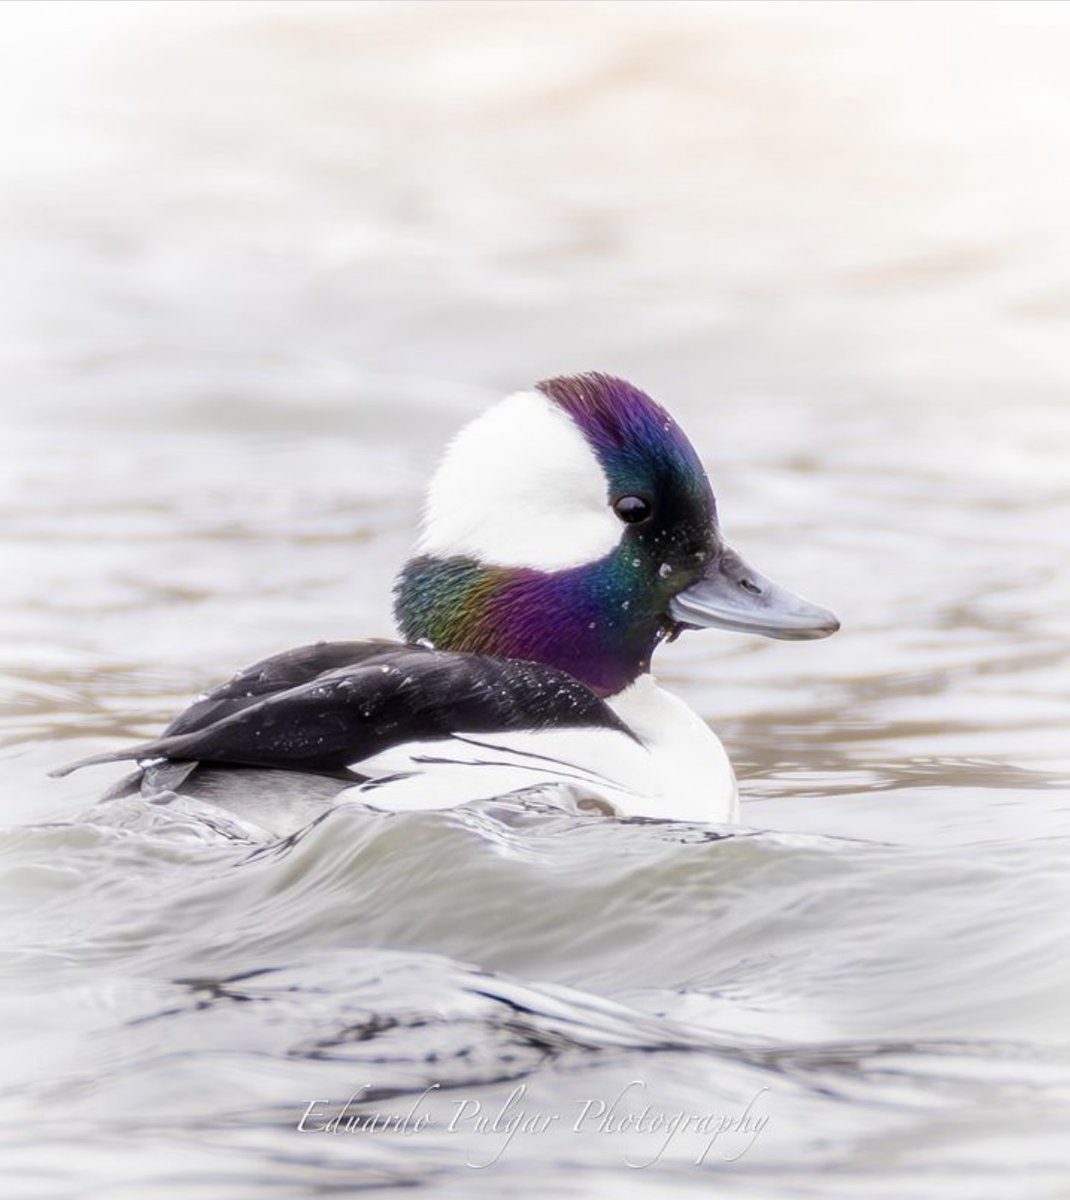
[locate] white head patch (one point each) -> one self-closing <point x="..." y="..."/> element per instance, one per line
<point x="520" y="487"/>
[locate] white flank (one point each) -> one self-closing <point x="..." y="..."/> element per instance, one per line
<point x="520" y="487"/>
<point x="442" y="772"/>
<point x="678" y="770"/>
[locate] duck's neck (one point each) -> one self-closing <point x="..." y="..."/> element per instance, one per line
<point x="593" y="621"/>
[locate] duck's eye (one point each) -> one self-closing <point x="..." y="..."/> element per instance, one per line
<point x="632" y="509"/>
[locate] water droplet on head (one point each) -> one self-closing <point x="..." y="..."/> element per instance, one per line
<point x="635" y="562"/>
<point x="590" y="624"/>
<point x="626" y="604"/>
<point x="664" y="570"/>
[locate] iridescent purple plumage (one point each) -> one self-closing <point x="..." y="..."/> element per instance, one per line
<point x="637" y="442"/>
<point x="602" y="620"/>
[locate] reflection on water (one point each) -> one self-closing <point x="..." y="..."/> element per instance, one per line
<point x="265" y="259"/>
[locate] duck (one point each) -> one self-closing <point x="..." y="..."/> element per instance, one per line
<point x="568" y="531"/>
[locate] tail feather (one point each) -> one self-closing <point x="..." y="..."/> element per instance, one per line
<point x="143" y="750"/>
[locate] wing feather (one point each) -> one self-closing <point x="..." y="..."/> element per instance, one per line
<point x="279" y="673"/>
<point x="380" y="698"/>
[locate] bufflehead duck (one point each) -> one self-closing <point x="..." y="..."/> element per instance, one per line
<point x="567" y="532"/>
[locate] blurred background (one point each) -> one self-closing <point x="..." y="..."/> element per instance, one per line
<point x="262" y="259"/>
<point x="259" y="261"/>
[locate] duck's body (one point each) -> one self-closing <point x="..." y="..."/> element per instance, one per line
<point x="406" y="727"/>
<point x="568" y="531"/>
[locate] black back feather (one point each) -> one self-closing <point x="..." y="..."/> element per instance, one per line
<point x="279" y="673"/>
<point x="327" y="707"/>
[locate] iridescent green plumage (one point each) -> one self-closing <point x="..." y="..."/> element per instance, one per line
<point x="599" y="621"/>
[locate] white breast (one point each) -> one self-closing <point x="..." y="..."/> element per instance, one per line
<point x="691" y="775"/>
<point x="676" y="770"/>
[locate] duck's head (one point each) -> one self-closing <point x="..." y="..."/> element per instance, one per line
<point x="574" y="525"/>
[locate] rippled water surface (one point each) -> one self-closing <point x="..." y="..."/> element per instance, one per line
<point x="260" y="261"/>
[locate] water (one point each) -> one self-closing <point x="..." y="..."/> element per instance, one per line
<point x="261" y="261"/>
